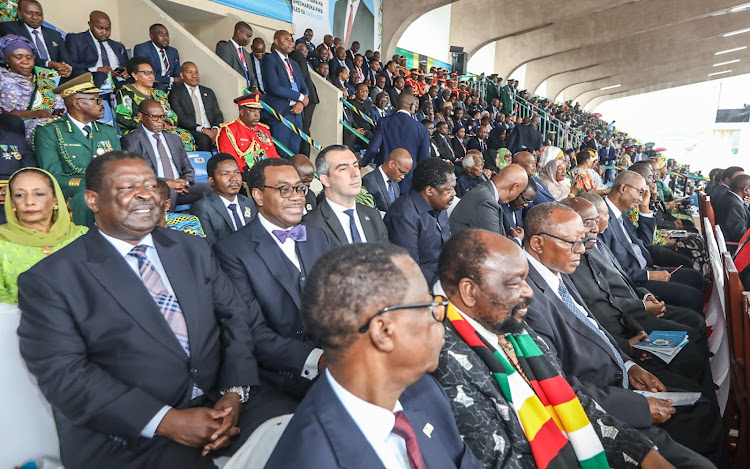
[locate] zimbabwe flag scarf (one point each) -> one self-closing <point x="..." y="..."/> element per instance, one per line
<point x="551" y="415"/>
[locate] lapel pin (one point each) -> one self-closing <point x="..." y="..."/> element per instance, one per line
<point x="248" y="212"/>
<point x="367" y="218"/>
<point x="427" y="430"/>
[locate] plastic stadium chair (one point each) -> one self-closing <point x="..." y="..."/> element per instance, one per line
<point x="258" y="448"/>
<point x="198" y="159"/>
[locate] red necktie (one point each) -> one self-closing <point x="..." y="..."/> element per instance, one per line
<point x="403" y="428"/>
<point x="242" y="57"/>
<point x="349" y="23"/>
<point x="289" y="70"/>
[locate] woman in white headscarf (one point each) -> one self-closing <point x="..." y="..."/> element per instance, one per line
<point x="549" y="154"/>
<point x="552" y="175"/>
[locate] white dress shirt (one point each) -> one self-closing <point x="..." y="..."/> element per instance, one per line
<point x="310" y="369"/>
<point x="123" y="248"/>
<point x="284" y="58"/>
<point x="80" y="125"/>
<point x="376" y="424"/>
<point x="41" y="38"/>
<point x="236" y="202"/>
<point x="159" y="167"/>
<point x="385" y="178"/>
<point x="257" y="70"/>
<point x="202" y="120"/>
<point x="114" y="62"/>
<point x="344" y="219"/>
<point x="161" y="61"/>
<point x="553" y="279"/>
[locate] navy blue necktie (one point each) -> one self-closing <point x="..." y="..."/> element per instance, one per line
<point x="391" y="192"/>
<point x="356" y="238"/>
<point x="236" y="215"/>
<point x="105" y="57"/>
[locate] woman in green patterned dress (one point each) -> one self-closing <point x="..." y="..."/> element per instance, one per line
<point x="130" y="96"/>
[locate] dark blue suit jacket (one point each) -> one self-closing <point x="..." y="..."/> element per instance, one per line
<point x="276" y="83"/>
<point x="146" y="49"/>
<point x="53" y="41"/>
<point x="542" y="194"/>
<point x="412" y="226"/>
<point x="398" y="131"/>
<point x="718" y="192"/>
<point x="614" y="237"/>
<point x="84" y="52"/>
<point x="509" y="220"/>
<point x="257" y="267"/>
<point x="322" y="434"/>
<point x="373" y="182"/>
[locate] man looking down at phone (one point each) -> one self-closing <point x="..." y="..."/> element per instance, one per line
<point x="65" y="146"/>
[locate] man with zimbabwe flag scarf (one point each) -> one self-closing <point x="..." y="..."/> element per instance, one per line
<point x="512" y="404"/>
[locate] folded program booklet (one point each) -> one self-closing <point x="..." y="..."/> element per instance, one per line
<point x="679" y="399"/>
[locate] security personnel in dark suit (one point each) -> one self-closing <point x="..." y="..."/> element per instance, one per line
<point x="418" y="220"/>
<point x="50" y="47"/>
<point x="382" y="183"/>
<point x="138" y="339"/>
<point x="65" y="146"/>
<point x="94" y="51"/>
<point x="196" y="107"/>
<point x="342" y="219"/>
<point x="223" y="210"/>
<point x="15" y="153"/>
<point x="269" y="261"/>
<point x="234" y="54"/>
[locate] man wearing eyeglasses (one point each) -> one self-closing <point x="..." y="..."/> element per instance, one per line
<point x="165" y="153"/>
<point x="65" y="146"/>
<point x="555" y="239"/>
<point x="375" y="406"/>
<point x="269" y="261"/>
<point x="383" y="182"/>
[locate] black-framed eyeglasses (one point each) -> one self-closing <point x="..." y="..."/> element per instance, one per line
<point x="97" y="100"/>
<point x="437" y="309"/>
<point x="157" y="118"/>
<point x="286" y="191"/>
<point x="525" y="200"/>
<point x="574" y="245"/>
<point x="641" y="192"/>
<point x="147" y="73"/>
<point x="403" y="173"/>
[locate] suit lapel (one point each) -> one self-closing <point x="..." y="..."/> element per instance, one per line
<point x="367" y="225"/>
<point x="147" y="146"/>
<point x="119" y="280"/>
<point x="218" y="205"/>
<point x="333" y="222"/>
<point x="78" y="135"/>
<point x="619" y="233"/>
<point x="273" y="258"/>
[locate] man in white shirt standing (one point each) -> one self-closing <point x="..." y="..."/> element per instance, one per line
<point x="375" y="407"/>
<point x="223" y="210"/>
<point x="342" y="219"/>
<point x="269" y="261"/>
<point x="234" y="54"/>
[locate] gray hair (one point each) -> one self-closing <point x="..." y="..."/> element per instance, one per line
<point x="470" y="162"/>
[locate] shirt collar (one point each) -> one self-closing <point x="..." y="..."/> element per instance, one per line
<point x="552" y="278"/>
<point x="158" y="49"/>
<point x="282" y="56"/>
<point x="96" y="41"/>
<point x="270" y="227"/>
<point x="375" y="422"/>
<point x="618" y="212"/>
<point x="487" y="335"/>
<point x="150" y="133"/>
<point x="236" y="46"/>
<point x="226" y="201"/>
<point x="78" y="124"/>
<point x="190" y="88"/>
<point x="494" y="191"/>
<point x="124" y="247"/>
<point x="405" y="112"/>
<point x="339" y="209"/>
<point x="31" y="30"/>
<point x="383" y="175"/>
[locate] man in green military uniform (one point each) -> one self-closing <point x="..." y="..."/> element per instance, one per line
<point x="506" y="96"/>
<point x="65" y="146"/>
<point x="491" y="91"/>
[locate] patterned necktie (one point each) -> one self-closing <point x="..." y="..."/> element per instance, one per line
<point x="87" y="131"/>
<point x="562" y="290"/>
<point x="40" y="49"/>
<point x="510" y="352"/>
<point x="356" y="238"/>
<point x="403" y="428"/>
<point x="391" y="192"/>
<point x="166" y="301"/>
<point x="636" y="249"/>
<point x="297" y="233"/>
<point x="165" y="62"/>
<point x="166" y="165"/>
<point x="236" y="215"/>
<point x="242" y="57"/>
<point x="105" y="56"/>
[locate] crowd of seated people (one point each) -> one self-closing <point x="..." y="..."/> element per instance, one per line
<point x="371" y="312"/>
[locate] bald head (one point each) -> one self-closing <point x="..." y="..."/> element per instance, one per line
<point x="628" y="190"/>
<point x="398" y="164"/>
<point x="407" y="102"/>
<point x="594" y="199"/>
<point x="526" y="160"/>
<point x="627" y="178"/>
<point x="304" y="168"/>
<point x="510" y="182"/>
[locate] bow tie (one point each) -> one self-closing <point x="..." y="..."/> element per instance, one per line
<point x="297" y="233"/>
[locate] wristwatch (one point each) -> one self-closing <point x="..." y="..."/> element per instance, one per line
<point x="245" y="392"/>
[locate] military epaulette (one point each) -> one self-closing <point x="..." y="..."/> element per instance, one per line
<point x="104" y="124"/>
<point x="52" y="121"/>
<point x="227" y="124"/>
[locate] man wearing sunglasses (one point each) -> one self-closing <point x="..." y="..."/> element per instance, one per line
<point x="371" y="310"/>
<point x="65" y="146"/>
<point x="165" y="153"/>
<point x="269" y="261"/>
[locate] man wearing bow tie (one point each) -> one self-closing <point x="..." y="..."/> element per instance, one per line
<point x="268" y="261"/>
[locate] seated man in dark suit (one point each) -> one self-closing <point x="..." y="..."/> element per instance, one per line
<point x="50" y="47"/>
<point x="94" y="51"/>
<point x="440" y="139"/>
<point x="223" y="210"/>
<point x="473" y="165"/>
<point x="457" y="143"/>
<point x="554" y="241"/>
<point x="528" y="161"/>
<point x="196" y="107"/>
<point x="360" y="102"/>
<point x="472" y="265"/>
<point x="382" y="183"/>
<point x="306" y="172"/>
<point x="480" y="208"/>
<point x="165" y="153"/>
<point x="137" y="338"/>
<point x="418" y="221"/>
<point x="732" y="213"/>
<point x="343" y="220"/>
<point x="165" y="59"/>
<point x="513" y="211"/>
<point x="363" y="413"/>
<point x="726" y="178"/>
<point x="684" y="286"/>
<point x="269" y="261"/>
<point x="593" y="284"/>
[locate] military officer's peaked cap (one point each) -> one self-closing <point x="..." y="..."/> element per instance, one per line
<point x="249" y="100"/>
<point x="81" y="84"/>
